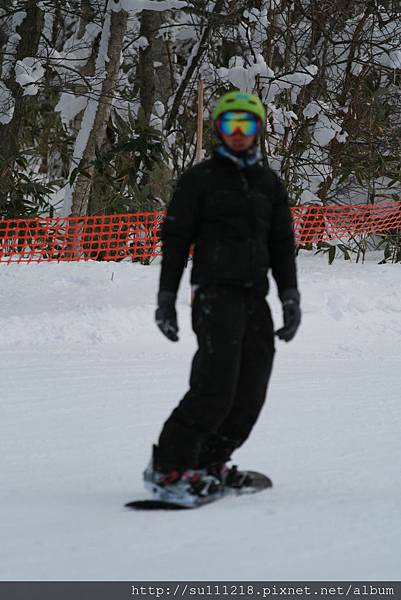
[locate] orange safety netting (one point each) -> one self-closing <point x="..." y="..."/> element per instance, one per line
<point x="314" y="224"/>
<point x="137" y="236"/>
<point x="112" y="237"/>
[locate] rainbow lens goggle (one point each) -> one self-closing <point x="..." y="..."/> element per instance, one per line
<point x="244" y="122"/>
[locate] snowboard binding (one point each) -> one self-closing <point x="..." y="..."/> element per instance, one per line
<point x="188" y="489"/>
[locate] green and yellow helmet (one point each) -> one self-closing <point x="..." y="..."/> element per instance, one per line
<point x="240" y="101"/>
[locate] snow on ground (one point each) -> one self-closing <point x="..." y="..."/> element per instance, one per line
<point x="87" y="380"/>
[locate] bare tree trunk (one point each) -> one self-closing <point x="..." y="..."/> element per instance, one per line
<point x="150" y="22"/>
<point x="3" y="40"/>
<point x="155" y="72"/>
<point x="195" y="60"/>
<point x="199" y="130"/>
<point x="83" y="184"/>
<point x="164" y="71"/>
<point x="11" y="133"/>
<point x="29" y="31"/>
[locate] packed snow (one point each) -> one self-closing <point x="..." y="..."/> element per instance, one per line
<point x="87" y="380"/>
<point x="27" y="73"/>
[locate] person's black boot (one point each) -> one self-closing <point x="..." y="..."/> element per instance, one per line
<point x="185" y="487"/>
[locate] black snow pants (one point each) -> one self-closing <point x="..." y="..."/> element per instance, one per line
<point x="229" y="377"/>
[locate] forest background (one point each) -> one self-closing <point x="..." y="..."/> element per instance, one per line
<point x="98" y="98"/>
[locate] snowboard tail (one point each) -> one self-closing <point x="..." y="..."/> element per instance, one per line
<point x="154" y="505"/>
<point x="150" y="504"/>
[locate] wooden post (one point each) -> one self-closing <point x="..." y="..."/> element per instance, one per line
<point x="199" y="138"/>
<point x="199" y="131"/>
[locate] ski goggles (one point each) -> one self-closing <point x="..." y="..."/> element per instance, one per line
<point x="245" y="123"/>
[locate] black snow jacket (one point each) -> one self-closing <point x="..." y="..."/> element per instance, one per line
<point x="239" y="222"/>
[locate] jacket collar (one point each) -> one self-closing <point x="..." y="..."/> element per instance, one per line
<point x="252" y="157"/>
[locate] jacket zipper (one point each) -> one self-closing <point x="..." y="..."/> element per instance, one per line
<point x="251" y="219"/>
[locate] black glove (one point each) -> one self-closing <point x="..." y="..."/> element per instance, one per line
<point x="291" y="314"/>
<point x="166" y="316"/>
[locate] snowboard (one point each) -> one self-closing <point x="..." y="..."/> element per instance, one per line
<point x="260" y="482"/>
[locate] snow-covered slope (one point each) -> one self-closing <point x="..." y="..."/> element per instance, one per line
<point x="87" y="379"/>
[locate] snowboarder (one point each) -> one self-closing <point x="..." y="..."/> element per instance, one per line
<point x="234" y="210"/>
